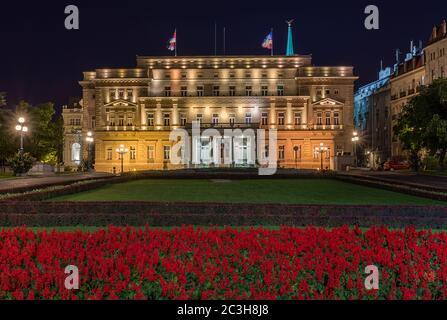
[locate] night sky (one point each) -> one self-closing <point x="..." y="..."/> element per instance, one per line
<point x="41" y="61"/>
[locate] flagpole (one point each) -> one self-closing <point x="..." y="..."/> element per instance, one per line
<point x="175" y="42"/>
<point x="272" y="42"/>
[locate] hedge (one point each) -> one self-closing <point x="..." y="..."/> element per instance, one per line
<point x="46" y="214"/>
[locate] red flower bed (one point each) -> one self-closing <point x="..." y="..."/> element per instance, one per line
<point x="188" y="263"/>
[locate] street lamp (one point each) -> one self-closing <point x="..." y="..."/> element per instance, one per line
<point x="122" y="151"/>
<point x="322" y="149"/>
<point x="355" y="139"/>
<point x="89" y="141"/>
<point x="22" y="129"/>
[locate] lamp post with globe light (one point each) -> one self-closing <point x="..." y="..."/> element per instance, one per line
<point x="89" y="141"/>
<point x="355" y="139"/>
<point x="121" y="150"/>
<point x="22" y="129"/>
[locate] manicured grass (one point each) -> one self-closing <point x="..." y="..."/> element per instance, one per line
<point x="299" y="191"/>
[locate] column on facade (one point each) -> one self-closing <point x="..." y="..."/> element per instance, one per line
<point x="289" y="114"/>
<point x="159" y="116"/>
<point x="273" y="113"/>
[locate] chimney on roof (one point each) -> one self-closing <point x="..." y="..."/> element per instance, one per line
<point x="434" y="33"/>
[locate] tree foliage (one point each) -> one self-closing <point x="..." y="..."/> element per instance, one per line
<point x="423" y="123"/>
<point x="44" y="140"/>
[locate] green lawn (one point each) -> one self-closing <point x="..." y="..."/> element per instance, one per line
<point x="299" y="191"/>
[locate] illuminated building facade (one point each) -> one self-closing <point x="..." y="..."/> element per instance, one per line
<point x="139" y="108"/>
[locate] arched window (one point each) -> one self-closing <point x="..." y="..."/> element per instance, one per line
<point x="76" y="153"/>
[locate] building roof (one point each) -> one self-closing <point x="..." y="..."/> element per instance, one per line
<point x="438" y="33"/>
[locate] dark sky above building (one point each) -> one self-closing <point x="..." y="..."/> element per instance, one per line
<point x="42" y="61"/>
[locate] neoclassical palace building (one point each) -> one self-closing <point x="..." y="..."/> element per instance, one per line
<point x="309" y="106"/>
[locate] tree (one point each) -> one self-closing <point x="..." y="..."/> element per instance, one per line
<point x="436" y="138"/>
<point x="422" y="124"/>
<point x="2" y="99"/>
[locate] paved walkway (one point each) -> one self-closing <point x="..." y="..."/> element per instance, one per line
<point x="7" y="185"/>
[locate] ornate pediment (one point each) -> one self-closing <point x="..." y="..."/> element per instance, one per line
<point x="121" y="103"/>
<point x="327" y="102"/>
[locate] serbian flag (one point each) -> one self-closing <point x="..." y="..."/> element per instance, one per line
<point x="172" y="46"/>
<point x="268" y="41"/>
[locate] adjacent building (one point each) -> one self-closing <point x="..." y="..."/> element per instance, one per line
<point x="435" y="53"/>
<point x="406" y="82"/>
<point x="372" y="119"/>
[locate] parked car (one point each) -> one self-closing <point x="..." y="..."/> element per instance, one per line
<point x="395" y="165"/>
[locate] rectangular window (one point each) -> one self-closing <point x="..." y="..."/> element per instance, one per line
<point x="297" y="118"/>
<point x="167" y="152"/>
<point x="319" y="119"/>
<point x="199" y="117"/>
<point x="183" y="119"/>
<point x="232" y="118"/>
<point x="264" y="119"/>
<point x="167" y="91"/>
<point x="232" y="91"/>
<point x="336" y="118"/>
<point x="280" y="90"/>
<point x="150" y="119"/>
<point x="133" y="153"/>
<point x="216" y="91"/>
<point x="121" y="121"/>
<point x="215" y="119"/>
<point x="121" y="93"/>
<point x="129" y="121"/>
<point x="151" y="154"/>
<point x="281" y="153"/>
<point x="248" y="118"/>
<point x="328" y="118"/>
<point x="281" y="117"/>
<point x="129" y="94"/>
<point x="166" y="119"/>
<point x="109" y="154"/>
<point x="248" y="91"/>
<point x="200" y="91"/>
<point x="184" y="91"/>
<point x="264" y="91"/>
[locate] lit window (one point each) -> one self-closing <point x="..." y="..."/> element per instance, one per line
<point x="298" y="118"/>
<point x="184" y="91"/>
<point x="166" y="119"/>
<point x="151" y="154"/>
<point x="109" y="154"/>
<point x="328" y="118"/>
<point x="133" y="153"/>
<point x="150" y="119"/>
<point x="264" y="118"/>
<point x="167" y="152"/>
<point x="167" y="91"/>
<point x="281" y="118"/>
<point x="280" y="90"/>
<point x="281" y="153"/>
<point x="336" y="118"/>
<point x="232" y="118"/>
<point x="264" y="91"/>
<point x="248" y="118"/>
<point x="215" y="119"/>
<point x="319" y="118"/>
<point x="183" y="119"/>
